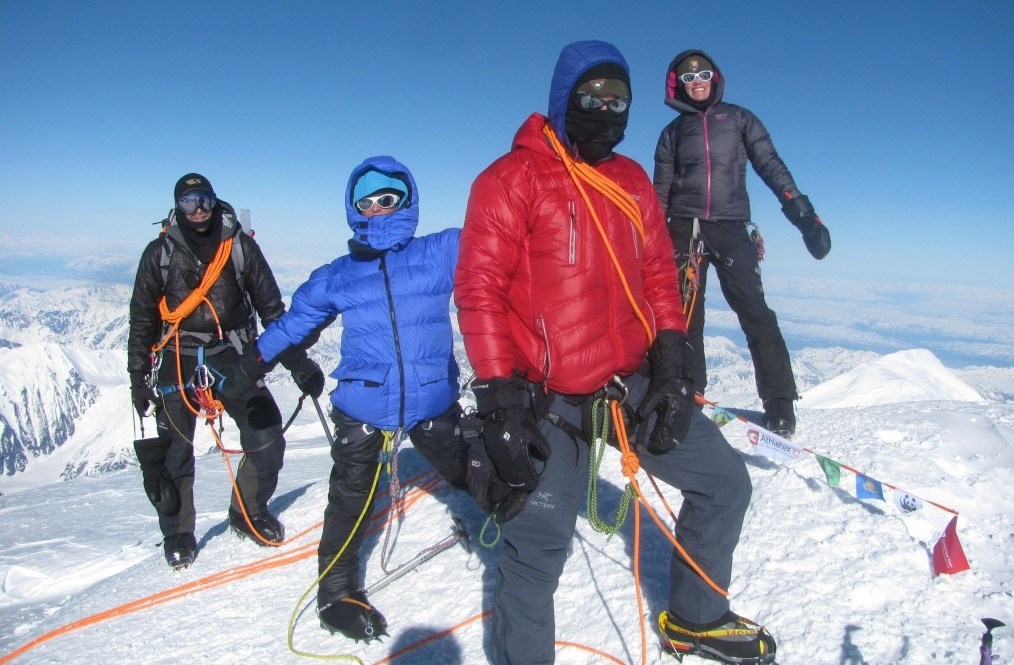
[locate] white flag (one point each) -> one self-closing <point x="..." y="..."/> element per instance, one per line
<point x="773" y="446"/>
<point x="907" y="503"/>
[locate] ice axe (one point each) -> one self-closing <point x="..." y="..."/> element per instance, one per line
<point x="458" y="535"/>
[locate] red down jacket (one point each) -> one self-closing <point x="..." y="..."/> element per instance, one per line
<point x="534" y="286"/>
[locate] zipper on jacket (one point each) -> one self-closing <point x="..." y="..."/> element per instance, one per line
<point x="572" y="251"/>
<point x="636" y="239"/>
<point x="397" y="341"/>
<point x="547" y="361"/>
<point x="707" y="161"/>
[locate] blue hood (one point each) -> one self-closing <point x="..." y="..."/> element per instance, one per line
<point x="575" y="59"/>
<point x="383" y="231"/>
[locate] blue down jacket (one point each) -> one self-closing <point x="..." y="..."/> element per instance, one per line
<point x="397" y="364"/>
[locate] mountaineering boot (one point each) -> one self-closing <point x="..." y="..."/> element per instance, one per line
<point x="779" y="417"/>
<point x="265" y="523"/>
<point x="353" y="617"/>
<point x="731" y="639"/>
<point x="180" y="550"/>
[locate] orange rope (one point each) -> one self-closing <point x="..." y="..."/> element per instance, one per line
<point x="631" y="466"/>
<point x="579" y="171"/>
<point x="212" y="581"/>
<point x="197" y="296"/>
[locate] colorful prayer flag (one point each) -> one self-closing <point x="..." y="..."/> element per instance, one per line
<point x="868" y="488"/>
<point x="907" y="503"/>
<point x="771" y="445"/>
<point x="831" y="469"/>
<point x="948" y="557"/>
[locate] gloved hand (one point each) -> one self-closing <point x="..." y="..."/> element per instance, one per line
<point x="141" y="394"/>
<point x="509" y="431"/>
<point x="308" y="376"/>
<point x="816" y="237"/>
<point x="671" y="391"/>
<point x="487" y="487"/>
<point x="242" y="375"/>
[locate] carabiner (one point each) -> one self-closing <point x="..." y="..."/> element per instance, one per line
<point x="202" y="377"/>
<point x="621" y="386"/>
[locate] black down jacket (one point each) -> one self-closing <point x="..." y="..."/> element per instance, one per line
<point x="227" y="295"/>
<point x="701" y="157"/>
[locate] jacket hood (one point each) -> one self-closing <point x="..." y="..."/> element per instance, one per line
<point x="673" y="88"/>
<point x="576" y="59"/>
<point x="383" y="232"/>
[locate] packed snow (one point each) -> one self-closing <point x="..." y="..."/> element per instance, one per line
<point x="835" y="579"/>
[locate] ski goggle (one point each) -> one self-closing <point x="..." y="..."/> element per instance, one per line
<point x="385" y="201"/>
<point x="189" y="203"/>
<point x="690" y="77"/>
<point x="590" y="102"/>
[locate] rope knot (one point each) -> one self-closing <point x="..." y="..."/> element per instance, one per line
<point x="630" y="463"/>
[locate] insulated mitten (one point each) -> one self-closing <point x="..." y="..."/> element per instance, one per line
<point x="308" y="376"/>
<point x="816" y="237"/>
<point x="509" y="431"/>
<point x="141" y="394"/>
<point x="159" y="487"/>
<point x="671" y="392"/>
<point x="490" y="491"/>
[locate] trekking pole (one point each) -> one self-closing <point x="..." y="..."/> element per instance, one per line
<point x="323" y="422"/>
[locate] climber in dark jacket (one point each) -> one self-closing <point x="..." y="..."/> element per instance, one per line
<point x="700" y="179"/>
<point x="212" y="336"/>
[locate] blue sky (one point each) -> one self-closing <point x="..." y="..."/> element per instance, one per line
<point x="889" y="115"/>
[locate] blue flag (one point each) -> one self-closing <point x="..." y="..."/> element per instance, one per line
<point x="868" y="488"/>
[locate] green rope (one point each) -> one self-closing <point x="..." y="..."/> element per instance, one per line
<point x="600" y="434"/>
<point x="483" y="540"/>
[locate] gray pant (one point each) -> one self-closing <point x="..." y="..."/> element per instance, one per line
<point x="716" y="492"/>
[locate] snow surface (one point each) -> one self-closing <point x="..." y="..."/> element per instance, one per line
<point x="835" y="579"/>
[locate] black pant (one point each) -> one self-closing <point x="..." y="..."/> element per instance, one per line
<point x="356" y="456"/>
<point x="260" y="436"/>
<point x="728" y="246"/>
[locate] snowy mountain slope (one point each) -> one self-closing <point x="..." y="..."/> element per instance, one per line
<point x="92" y="317"/>
<point x="907" y="376"/>
<point x="42" y="394"/>
<point x="837" y="580"/>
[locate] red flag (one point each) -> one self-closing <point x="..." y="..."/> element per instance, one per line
<point x="948" y="557"/>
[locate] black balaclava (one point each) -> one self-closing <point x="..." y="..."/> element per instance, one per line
<point x="593" y="131"/>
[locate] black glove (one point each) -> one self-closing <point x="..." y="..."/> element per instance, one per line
<point x="816" y="237"/>
<point x="141" y="394"/>
<point x="241" y="376"/>
<point x="509" y="431"/>
<point x="671" y="391"/>
<point x="487" y="487"/>
<point x="307" y="374"/>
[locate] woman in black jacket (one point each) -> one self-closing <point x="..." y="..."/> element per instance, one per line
<point x="700" y="178"/>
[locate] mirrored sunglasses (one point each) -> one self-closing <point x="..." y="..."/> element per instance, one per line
<point x="385" y="201"/>
<point x="189" y="203"/>
<point x="690" y="77"/>
<point x="589" y="101"/>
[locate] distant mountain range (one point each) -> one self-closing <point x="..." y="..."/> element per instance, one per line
<point x="65" y="408"/>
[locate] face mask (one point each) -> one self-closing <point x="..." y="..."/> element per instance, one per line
<point x="595" y="132"/>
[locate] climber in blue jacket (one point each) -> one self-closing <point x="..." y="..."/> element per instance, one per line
<point x="397" y="368"/>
